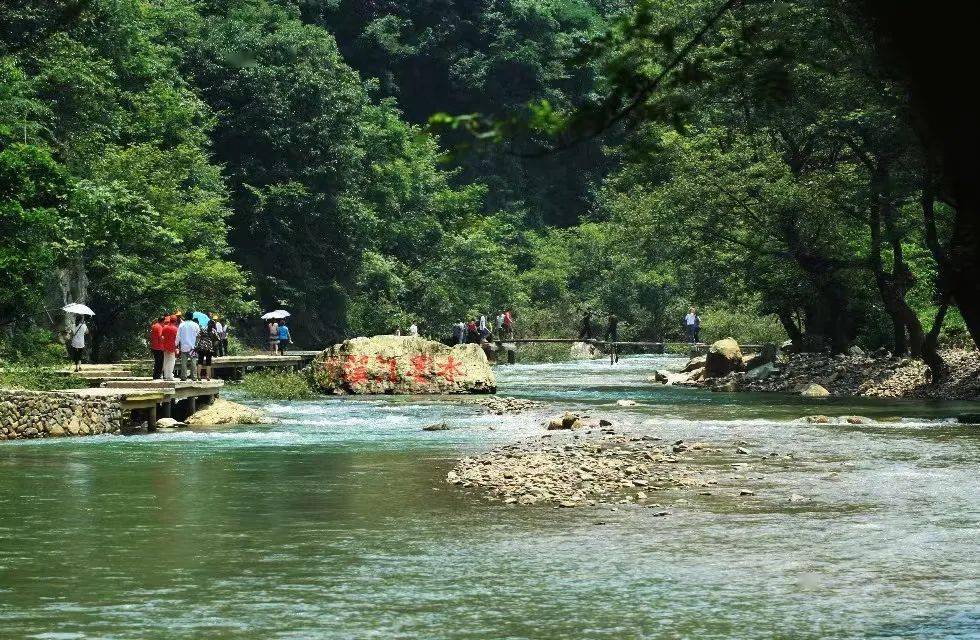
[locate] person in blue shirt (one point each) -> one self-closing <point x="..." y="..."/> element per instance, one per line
<point x="284" y="337"/>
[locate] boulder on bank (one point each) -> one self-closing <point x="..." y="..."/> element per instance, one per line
<point x="814" y="390"/>
<point x="402" y="365"/>
<point x="724" y="357"/>
<point x="694" y="364"/>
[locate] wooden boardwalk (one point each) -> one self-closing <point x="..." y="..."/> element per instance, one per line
<point x="151" y="399"/>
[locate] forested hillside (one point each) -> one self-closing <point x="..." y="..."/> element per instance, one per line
<point x="238" y="155"/>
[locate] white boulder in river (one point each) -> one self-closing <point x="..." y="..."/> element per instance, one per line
<point x="403" y="365"/>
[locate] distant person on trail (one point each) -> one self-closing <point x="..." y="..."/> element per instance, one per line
<point x="499" y="321"/>
<point x="284" y="337"/>
<point x="462" y="332"/>
<point x="483" y="325"/>
<point x="612" y="337"/>
<point x="398" y="331"/>
<point x="472" y="333"/>
<point x="207" y="339"/>
<point x="508" y="324"/>
<point x="169" y="343"/>
<point x="458" y="330"/>
<point x="187" y="334"/>
<point x="585" y="333"/>
<point x="692" y="322"/>
<point x="413" y="330"/>
<point x="76" y="347"/>
<point x="221" y="331"/>
<point x="273" y="330"/>
<point x="156" y="347"/>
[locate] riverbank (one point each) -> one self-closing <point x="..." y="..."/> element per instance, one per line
<point x="858" y="374"/>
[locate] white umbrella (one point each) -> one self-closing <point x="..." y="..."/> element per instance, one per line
<point x="276" y="315"/>
<point x="78" y="309"/>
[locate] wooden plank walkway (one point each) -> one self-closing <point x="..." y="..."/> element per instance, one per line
<point x="154" y="398"/>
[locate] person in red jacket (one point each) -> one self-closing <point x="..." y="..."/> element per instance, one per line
<point x="156" y="347"/>
<point x="168" y="344"/>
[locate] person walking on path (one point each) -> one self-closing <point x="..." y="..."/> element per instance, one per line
<point x="187" y="334"/>
<point x="273" y="329"/>
<point x="458" y="330"/>
<point x="585" y="333"/>
<point x="76" y="348"/>
<point x="221" y="330"/>
<point x="168" y="343"/>
<point x="612" y="337"/>
<point x="156" y="347"/>
<point x="284" y="337"/>
<point x="413" y="330"/>
<point x="499" y="321"/>
<point x="509" y="324"/>
<point x="692" y="322"/>
<point x="207" y="340"/>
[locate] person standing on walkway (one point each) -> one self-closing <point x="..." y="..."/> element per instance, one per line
<point x="76" y="347"/>
<point x="692" y="322"/>
<point x="273" y="330"/>
<point x="508" y="324"/>
<point x="207" y="340"/>
<point x="499" y="321"/>
<point x="156" y="347"/>
<point x="187" y="334"/>
<point x="168" y="343"/>
<point x="413" y="330"/>
<point x="284" y="337"/>
<point x="585" y="333"/>
<point x="219" y="331"/>
<point x="612" y="337"/>
<point x="458" y="329"/>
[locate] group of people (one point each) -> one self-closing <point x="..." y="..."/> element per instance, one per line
<point x="587" y="330"/>
<point x="279" y="336"/>
<point x="479" y="330"/>
<point x="193" y="341"/>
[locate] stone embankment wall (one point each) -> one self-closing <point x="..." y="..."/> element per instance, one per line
<point x="39" y="414"/>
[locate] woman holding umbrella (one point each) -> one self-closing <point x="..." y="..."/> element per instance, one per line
<point x="76" y="342"/>
<point x="272" y="328"/>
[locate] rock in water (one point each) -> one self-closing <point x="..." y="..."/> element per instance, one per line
<point x="402" y="365"/>
<point x="814" y="390"/>
<point x="724" y="357"/>
<point x="169" y="423"/>
<point x="584" y="351"/>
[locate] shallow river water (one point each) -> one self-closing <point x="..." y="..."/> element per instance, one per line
<point x="337" y="523"/>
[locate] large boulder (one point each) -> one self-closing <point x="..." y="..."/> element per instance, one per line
<point x="724" y="357"/>
<point x="402" y="365"/>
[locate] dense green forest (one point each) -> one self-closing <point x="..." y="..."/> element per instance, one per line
<point x="755" y="159"/>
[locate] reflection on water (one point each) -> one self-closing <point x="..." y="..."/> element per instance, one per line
<point x="335" y="523"/>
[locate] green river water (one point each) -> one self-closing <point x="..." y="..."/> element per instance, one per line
<point x="337" y="523"/>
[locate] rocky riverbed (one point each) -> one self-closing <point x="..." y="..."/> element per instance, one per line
<point x="575" y="468"/>
<point x="501" y="405"/>
<point x="856" y="373"/>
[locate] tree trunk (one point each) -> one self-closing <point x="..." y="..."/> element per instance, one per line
<point x="892" y="285"/>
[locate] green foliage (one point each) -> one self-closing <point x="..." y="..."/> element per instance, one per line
<point x="38" y="378"/>
<point x="746" y="324"/>
<point x="277" y="385"/>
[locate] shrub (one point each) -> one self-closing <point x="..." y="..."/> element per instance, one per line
<point x="35" y="378"/>
<point x="276" y="385"/>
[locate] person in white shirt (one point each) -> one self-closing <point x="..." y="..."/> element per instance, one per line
<point x="692" y="321"/>
<point x="186" y="341"/>
<point x="78" y="341"/>
<point x="413" y="330"/>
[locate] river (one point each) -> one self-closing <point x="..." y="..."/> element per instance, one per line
<point x="337" y="523"/>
